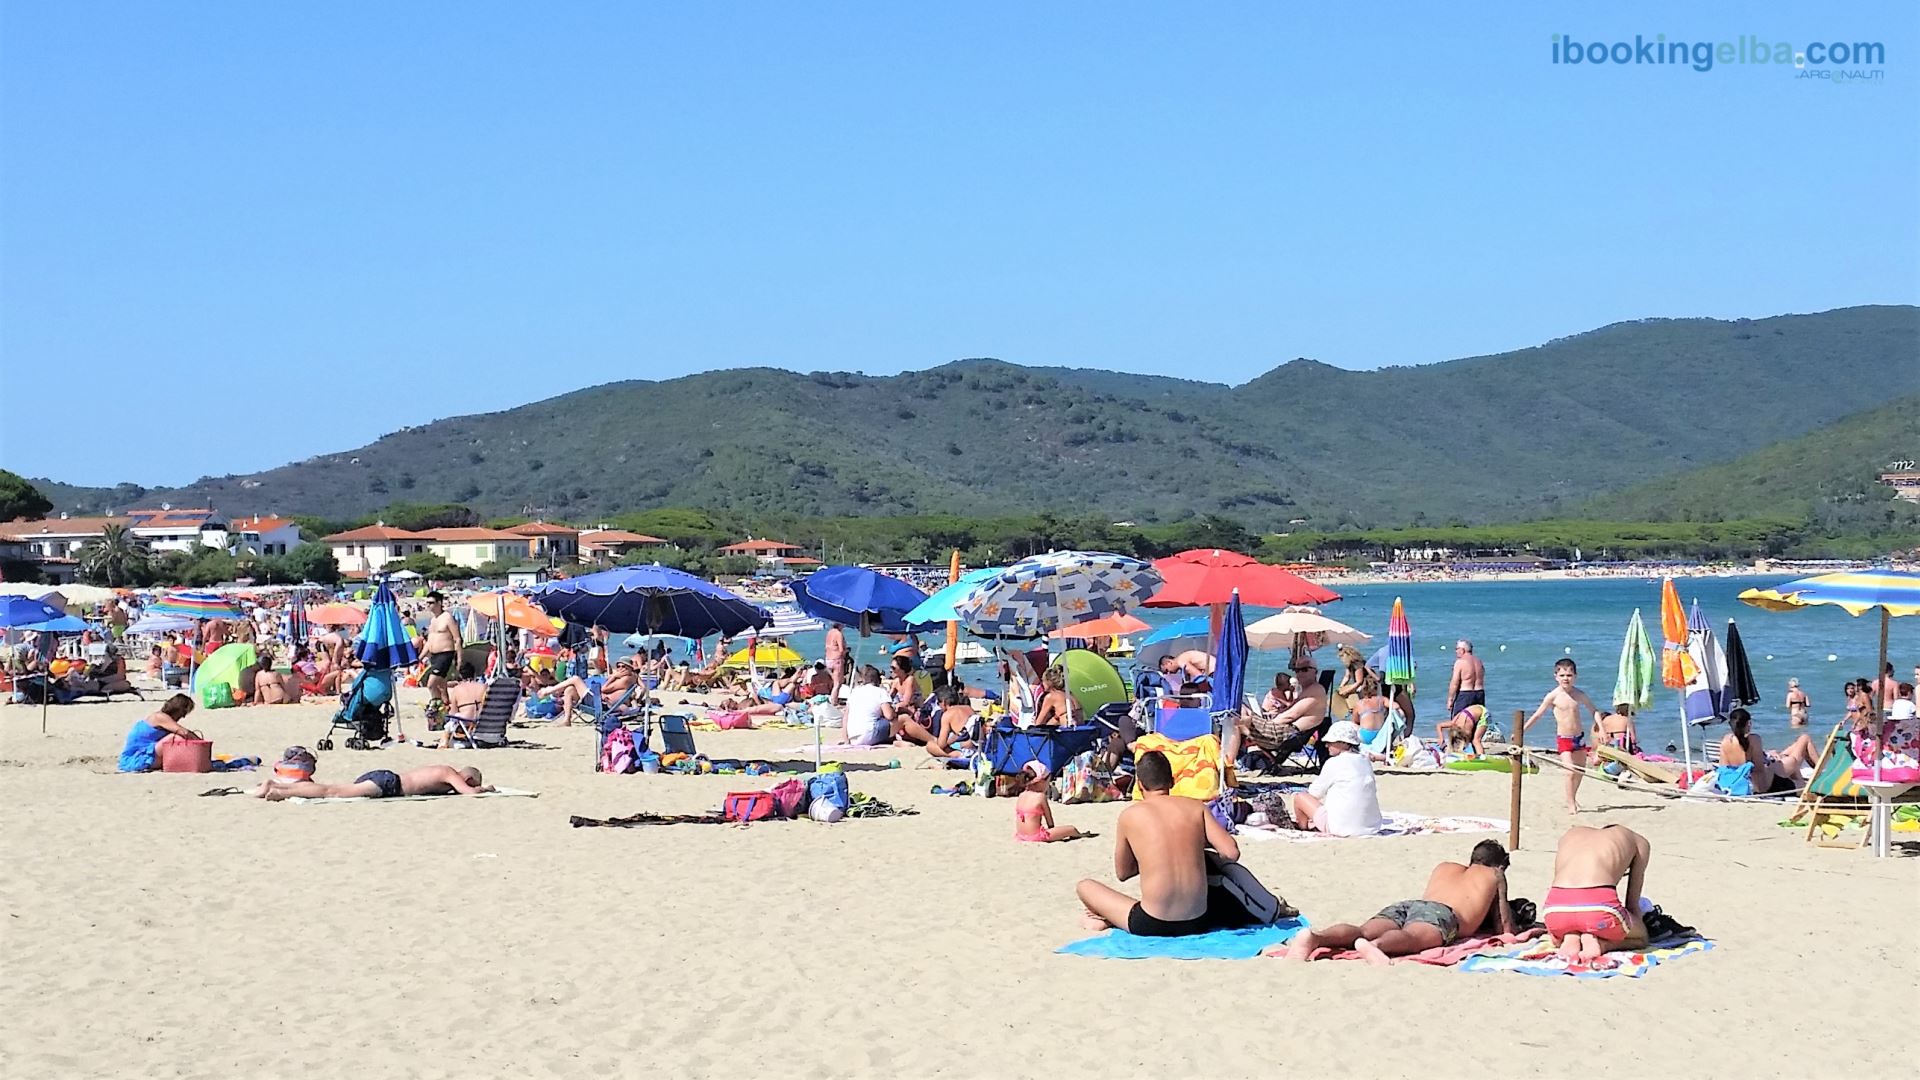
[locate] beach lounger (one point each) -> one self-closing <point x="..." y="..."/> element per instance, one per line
<point x="489" y="729"/>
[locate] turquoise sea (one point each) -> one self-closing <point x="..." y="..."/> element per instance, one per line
<point x="1521" y="627"/>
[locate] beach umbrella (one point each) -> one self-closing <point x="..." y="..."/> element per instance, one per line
<point x="764" y="652"/>
<point x="337" y="615"/>
<point x="1399" y="659"/>
<point x="1633" y="684"/>
<point x="1106" y="626"/>
<point x="1742" y="688"/>
<point x="938" y="608"/>
<point x="1176" y="637"/>
<point x="857" y="596"/>
<point x="1893" y="593"/>
<point x="788" y="621"/>
<point x="1044" y="592"/>
<point x="1706" y="699"/>
<point x="297" y="618"/>
<point x="1204" y="577"/>
<point x="1230" y="660"/>
<point x="1302" y="627"/>
<point x="199" y="606"/>
<point x="159" y="624"/>
<point x="514" y="610"/>
<point x="1676" y="666"/>
<point x="650" y="599"/>
<point x="950" y="653"/>
<point x="384" y="643"/>
<point x="29" y="615"/>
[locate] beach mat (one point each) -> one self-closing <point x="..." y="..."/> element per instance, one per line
<point x="1538" y="957"/>
<point x="1392" y="824"/>
<point x="497" y="793"/>
<point x="1242" y="944"/>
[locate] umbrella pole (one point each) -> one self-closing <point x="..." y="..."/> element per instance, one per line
<point x="1879" y="706"/>
<point x="1686" y="740"/>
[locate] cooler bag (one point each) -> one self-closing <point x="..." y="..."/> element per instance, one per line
<point x="1009" y="748"/>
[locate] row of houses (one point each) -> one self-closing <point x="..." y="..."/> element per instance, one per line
<point x="53" y="543"/>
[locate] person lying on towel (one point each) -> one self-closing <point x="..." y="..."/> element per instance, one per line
<point x="1163" y="840"/>
<point x="1457" y="901"/>
<point x="383" y="784"/>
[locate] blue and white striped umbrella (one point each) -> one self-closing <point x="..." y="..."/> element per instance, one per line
<point x="1041" y="594"/>
<point x="383" y="643"/>
<point x="787" y="621"/>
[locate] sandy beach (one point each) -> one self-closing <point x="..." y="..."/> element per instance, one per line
<point x="151" y="932"/>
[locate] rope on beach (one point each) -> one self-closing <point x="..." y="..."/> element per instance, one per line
<point x="1781" y="797"/>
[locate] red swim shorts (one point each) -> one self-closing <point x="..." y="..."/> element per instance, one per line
<point x="1596" y="910"/>
<point x="1565" y="745"/>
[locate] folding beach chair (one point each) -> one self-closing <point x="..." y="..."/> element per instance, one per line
<point x="1831" y="797"/>
<point x="489" y="729"/>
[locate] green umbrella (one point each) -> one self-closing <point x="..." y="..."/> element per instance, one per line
<point x="1638" y="665"/>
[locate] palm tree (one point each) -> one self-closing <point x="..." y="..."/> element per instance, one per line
<point x="118" y="557"/>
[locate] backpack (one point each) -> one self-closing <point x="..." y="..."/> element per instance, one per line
<point x="617" y="752"/>
<point x="829" y="787"/>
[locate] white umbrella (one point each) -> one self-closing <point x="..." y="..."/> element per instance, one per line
<point x="1302" y="625"/>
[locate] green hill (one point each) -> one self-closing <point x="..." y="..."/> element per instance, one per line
<point x="1516" y="435"/>
<point x="1829" y="474"/>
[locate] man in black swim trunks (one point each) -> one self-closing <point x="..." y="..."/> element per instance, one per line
<point x="1468" y="683"/>
<point x="441" y="647"/>
<point x="1162" y="839"/>
<point x="384" y="784"/>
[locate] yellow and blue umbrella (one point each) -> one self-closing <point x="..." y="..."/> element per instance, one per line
<point x="1893" y="592"/>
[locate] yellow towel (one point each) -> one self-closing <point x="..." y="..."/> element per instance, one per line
<point x="1196" y="764"/>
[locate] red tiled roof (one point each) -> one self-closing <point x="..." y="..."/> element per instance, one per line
<point x="608" y="537"/>
<point x="760" y="545"/>
<point x="372" y="532"/>
<point x="468" y="536"/>
<point x="260" y="525"/>
<point x="542" y="528"/>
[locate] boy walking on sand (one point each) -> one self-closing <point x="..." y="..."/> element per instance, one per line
<point x="1566" y="700"/>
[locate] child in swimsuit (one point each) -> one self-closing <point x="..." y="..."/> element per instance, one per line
<point x="1566" y="700"/>
<point x="1033" y="815"/>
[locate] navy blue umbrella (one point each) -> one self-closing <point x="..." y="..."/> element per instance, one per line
<point x="21" y="612"/>
<point x="1230" y="659"/>
<point x="384" y="643"/>
<point x="650" y="600"/>
<point x="857" y="596"/>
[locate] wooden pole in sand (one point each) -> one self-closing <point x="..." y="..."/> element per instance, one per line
<point x="1519" y="755"/>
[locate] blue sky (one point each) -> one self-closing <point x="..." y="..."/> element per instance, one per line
<point x="267" y="231"/>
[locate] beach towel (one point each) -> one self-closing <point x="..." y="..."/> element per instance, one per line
<point x="760" y="723"/>
<point x="1440" y="955"/>
<point x="1196" y="764"/>
<point x="497" y="793"/>
<point x="1241" y="944"/>
<point x="1538" y="957"/>
<point x="1392" y="823"/>
<point x="838" y="748"/>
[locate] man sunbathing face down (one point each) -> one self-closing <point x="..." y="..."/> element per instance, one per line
<point x="384" y="784"/>
<point x="1459" y="901"/>
<point x="1162" y="840"/>
<point x="1583" y="913"/>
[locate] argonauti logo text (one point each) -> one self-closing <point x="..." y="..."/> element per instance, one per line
<point x="1704" y="55"/>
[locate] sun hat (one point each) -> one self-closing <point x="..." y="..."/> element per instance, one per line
<point x="1345" y="731"/>
<point x="1036" y="769"/>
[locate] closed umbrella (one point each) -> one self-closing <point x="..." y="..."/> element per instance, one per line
<point x="1633" y="683"/>
<point x="384" y="643"/>
<point x="1742" y="689"/>
<point x="1399" y="659"/>
<point x="297" y="618"/>
<point x="1230" y="661"/>
<point x="1707" y="690"/>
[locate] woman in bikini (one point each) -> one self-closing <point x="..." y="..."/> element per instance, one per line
<point x="1615" y="729"/>
<point x="1798" y="707"/>
<point x="1056" y="705"/>
<point x="1771" y="772"/>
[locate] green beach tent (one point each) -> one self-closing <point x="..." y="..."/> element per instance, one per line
<point x="224" y="666"/>
<point x="1091" y="680"/>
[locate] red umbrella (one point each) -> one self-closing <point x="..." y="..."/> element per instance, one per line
<point x="1203" y="578"/>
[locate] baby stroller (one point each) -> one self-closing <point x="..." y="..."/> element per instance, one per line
<point x="364" y="712"/>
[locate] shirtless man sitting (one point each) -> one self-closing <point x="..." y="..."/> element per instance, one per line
<point x="1307" y="712"/>
<point x="1582" y="912"/>
<point x="1457" y="903"/>
<point x="383" y="784"/>
<point x="1162" y="840"/>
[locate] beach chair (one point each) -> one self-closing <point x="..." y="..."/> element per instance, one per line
<point x="364" y="710"/>
<point x="489" y="729"/>
<point x="1831" y="798"/>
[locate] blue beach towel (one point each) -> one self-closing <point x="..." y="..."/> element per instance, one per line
<point x="1242" y="944"/>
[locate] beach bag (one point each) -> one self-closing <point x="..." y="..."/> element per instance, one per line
<point x="217" y="696"/>
<point x="748" y="806"/>
<point x="829" y="787"/>
<point x="1734" y="779"/>
<point x="789" y="799"/>
<point x="617" y="754"/>
<point x="542" y="708"/>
